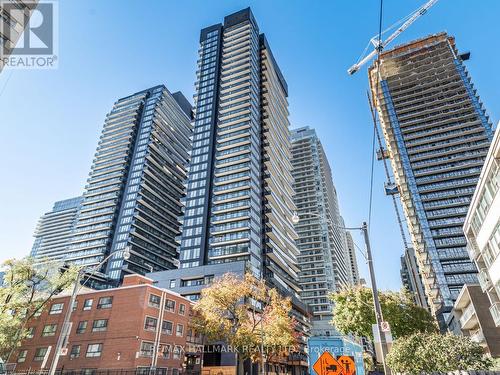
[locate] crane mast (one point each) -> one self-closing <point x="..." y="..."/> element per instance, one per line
<point x="379" y="46"/>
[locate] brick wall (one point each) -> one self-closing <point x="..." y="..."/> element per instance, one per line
<point x="120" y="329"/>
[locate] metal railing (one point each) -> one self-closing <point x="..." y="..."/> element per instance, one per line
<point x="468" y="312"/>
<point x="495" y="313"/>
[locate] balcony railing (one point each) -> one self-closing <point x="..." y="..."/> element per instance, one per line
<point x="468" y="312"/>
<point x="477" y="336"/>
<point x="484" y="279"/>
<point x="495" y="313"/>
<point x="472" y="249"/>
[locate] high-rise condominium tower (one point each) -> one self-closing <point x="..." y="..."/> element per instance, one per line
<point x="324" y="256"/>
<point x="54" y="230"/>
<point x="239" y="196"/>
<point x="133" y="195"/>
<point x="353" y="263"/>
<point x="437" y="134"/>
<point x="411" y="279"/>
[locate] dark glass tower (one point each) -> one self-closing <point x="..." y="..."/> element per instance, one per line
<point x="133" y="195"/>
<point x="239" y="201"/>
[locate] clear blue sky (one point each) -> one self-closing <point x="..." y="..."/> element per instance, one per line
<point x="51" y="120"/>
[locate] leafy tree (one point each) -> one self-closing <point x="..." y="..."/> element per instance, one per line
<point x="245" y="314"/>
<point x="25" y="291"/>
<point x="354" y="313"/>
<point x="432" y="352"/>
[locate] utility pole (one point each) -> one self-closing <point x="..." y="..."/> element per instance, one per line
<point x="63" y="335"/>
<point x="376" y="302"/>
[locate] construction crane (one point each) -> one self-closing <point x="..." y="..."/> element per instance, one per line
<point x="380" y="45"/>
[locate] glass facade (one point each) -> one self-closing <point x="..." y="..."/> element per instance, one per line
<point x="133" y="195"/>
<point x="239" y="193"/>
<point x="437" y="134"/>
<point x="54" y="230"/>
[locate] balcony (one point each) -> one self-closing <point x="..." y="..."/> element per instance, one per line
<point x="473" y="250"/>
<point x="466" y="320"/>
<point x="477" y="336"/>
<point x="495" y="313"/>
<point x="484" y="279"/>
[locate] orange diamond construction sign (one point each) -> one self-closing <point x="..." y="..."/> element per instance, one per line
<point x="328" y="365"/>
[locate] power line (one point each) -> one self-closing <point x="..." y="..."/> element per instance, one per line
<point x="379" y="48"/>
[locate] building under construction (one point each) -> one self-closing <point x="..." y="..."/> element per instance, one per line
<point x="437" y="135"/>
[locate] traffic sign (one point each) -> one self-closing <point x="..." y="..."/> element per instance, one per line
<point x="347" y="362"/>
<point x="328" y="365"/>
<point x="385" y="326"/>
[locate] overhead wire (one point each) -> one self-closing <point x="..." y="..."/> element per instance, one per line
<point x="372" y="167"/>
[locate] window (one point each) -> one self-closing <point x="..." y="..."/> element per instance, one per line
<point x="94" y="350"/>
<point x="89" y="371"/>
<point x="30" y="333"/>
<point x="154" y="300"/>
<point x="146" y="349"/>
<point x="167" y="327"/>
<point x="82" y="326"/>
<point x="150" y="323"/>
<point x="40" y="354"/>
<point x="75" y="305"/>
<point x="22" y="356"/>
<point x="56" y="308"/>
<point x="182" y="309"/>
<point x="170" y="305"/>
<point x="87" y="305"/>
<point x="180" y="330"/>
<point x="172" y="284"/>
<point x="100" y="325"/>
<point x="75" y="351"/>
<point x="105" y="303"/>
<point x="176" y="353"/>
<point x="49" y="330"/>
<point x="165" y="351"/>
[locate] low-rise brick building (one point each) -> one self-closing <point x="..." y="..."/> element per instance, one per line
<point x="121" y="328"/>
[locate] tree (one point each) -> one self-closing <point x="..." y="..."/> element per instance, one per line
<point x="25" y="291"/>
<point x="245" y="314"/>
<point x="354" y="313"/>
<point x="432" y="352"/>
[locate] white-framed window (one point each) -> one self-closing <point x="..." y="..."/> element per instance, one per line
<point x="21" y="357"/>
<point x="180" y="330"/>
<point x="94" y="350"/>
<point x="56" y="308"/>
<point x="154" y="300"/>
<point x="150" y="323"/>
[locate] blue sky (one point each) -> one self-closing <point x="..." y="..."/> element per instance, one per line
<point x="51" y="120"/>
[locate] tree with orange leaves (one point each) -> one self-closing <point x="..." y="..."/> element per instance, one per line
<point x="247" y="315"/>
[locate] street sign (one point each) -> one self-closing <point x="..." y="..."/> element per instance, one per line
<point x="347" y="362"/>
<point x="328" y="365"/>
<point x="385" y="327"/>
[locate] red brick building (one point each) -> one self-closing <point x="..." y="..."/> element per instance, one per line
<point x="122" y="328"/>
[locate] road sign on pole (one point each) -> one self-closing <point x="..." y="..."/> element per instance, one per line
<point x="385" y="327"/>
